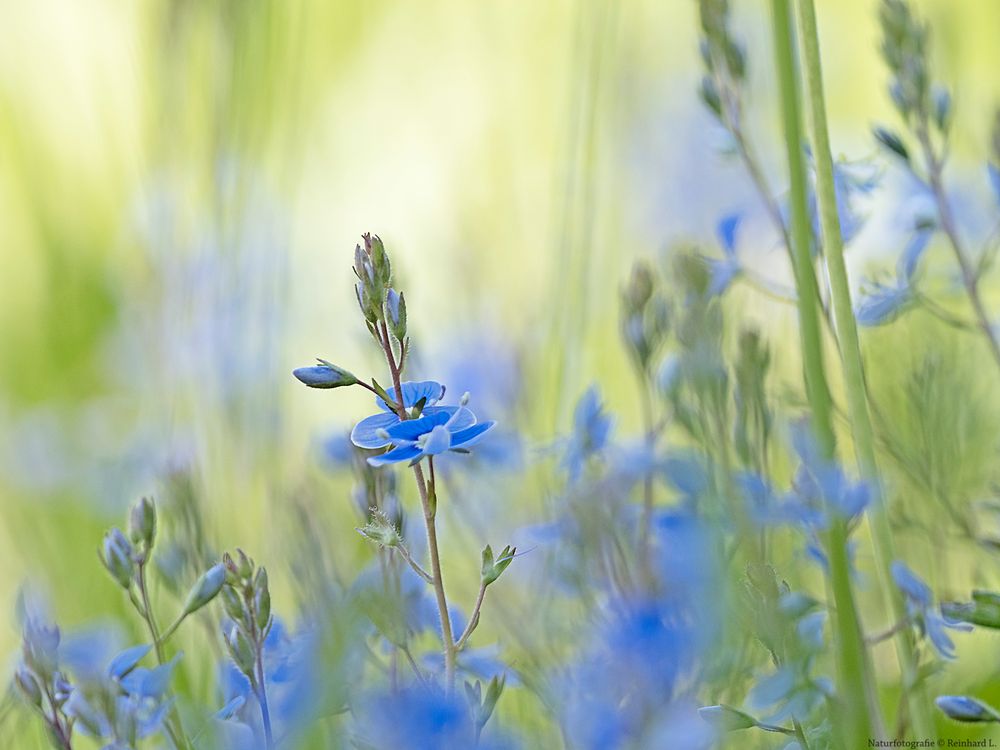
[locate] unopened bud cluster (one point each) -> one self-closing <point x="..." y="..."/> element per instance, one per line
<point x="645" y="317"/>
<point x="246" y="599"/>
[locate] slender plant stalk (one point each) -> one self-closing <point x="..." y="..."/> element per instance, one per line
<point x="853" y="370"/>
<point x="970" y="276"/>
<point x="428" y="502"/>
<point x="173" y="723"/>
<point x="859" y="716"/>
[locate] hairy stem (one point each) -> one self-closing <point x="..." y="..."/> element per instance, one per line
<point x="860" y="714"/>
<point x="428" y="502"/>
<point x="853" y="368"/>
<point x="473" y="620"/>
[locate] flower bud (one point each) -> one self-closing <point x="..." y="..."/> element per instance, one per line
<point x="324" y="375"/>
<point x="142" y="522"/>
<point x="28" y="686"/>
<point x="240" y="650"/>
<point x="244" y="565"/>
<point x="205" y="588"/>
<point x="262" y="600"/>
<point x="379" y="259"/>
<point x="117" y="557"/>
<point x="965" y="709"/>
<point x="395" y="307"/>
<point x="232" y="603"/>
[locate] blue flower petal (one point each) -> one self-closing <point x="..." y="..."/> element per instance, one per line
<point x="413" y="391"/>
<point x="471" y="436"/>
<point x="912" y="587"/>
<point x="438" y="441"/>
<point x="726" y="231"/>
<point x="403" y="453"/>
<point x="411" y="429"/>
<point x="914" y="251"/>
<point x="127" y="660"/>
<point x="364" y="434"/>
<point x="883" y="304"/>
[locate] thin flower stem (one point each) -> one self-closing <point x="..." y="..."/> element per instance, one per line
<point x="860" y="715"/>
<point x="173" y="723"/>
<point x="649" y="435"/>
<point x="265" y="712"/>
<point x="853" y="369"/>
<point x="430" y="510"/>
<point x="405" y="554"/>
<point x="474" y="620"/>
<point x="970" y="276"/>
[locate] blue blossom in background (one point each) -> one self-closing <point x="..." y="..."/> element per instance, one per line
<point x="591" y="430"/>
<point x="920" y="606"/>
<point x="882" y="303"/>
<point x="851" y="181"/>
<point x="293" y="680"/>
<point x="724" y="271"/>
<point x="820" y="481"/>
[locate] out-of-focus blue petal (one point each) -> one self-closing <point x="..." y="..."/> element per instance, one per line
<point x="914" y="251"/>
<point x="413" y="391"/>
<point x="883" y="304"/>
<point x="364" y="434"/>
<point x="227" y="711"/>
<point x="687" y="473"/>
<point x="912" y="587"/>
<point x="126" y="660"/>
<point x="438" y="441"/>
<point x="149" y="683"/>
<point x="772" y="689"/>
<point x="403" y="453"/>
<point x="722" y="273"/>
<point x="993" y="173"/>
<point x="470" y="436"/>
<point x="726" y="231"/>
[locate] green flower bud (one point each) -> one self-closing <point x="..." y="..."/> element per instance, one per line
<point x="244" y="565"/>
<point x="493" y="693"/>
<point x="142" y="522"/>
<point x="205" y="588"/>
<point x="240" y="650"/>
<point x="380" y="260"/>
<point x="117" y="557"/>
<point x="28" y="686"/>
<point x="325" y="375"/>
<point x="232" y="603"/>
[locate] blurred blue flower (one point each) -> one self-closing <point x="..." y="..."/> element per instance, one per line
<point x="591" y="429"/>
<point x="724" y="271"/>
<point x="419" y="718"/>
<point x="291" y="675"/>
<point x="850" y="182"/>
<point x="880" y="303"/>
<point x="821" y="480"/>
<point x="431" y="435"/>
<point x="920" y="606"/>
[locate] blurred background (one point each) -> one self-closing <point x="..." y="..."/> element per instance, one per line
<point x="182" y="185"/>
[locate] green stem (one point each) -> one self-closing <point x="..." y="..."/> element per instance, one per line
<point x="859" y="717"/>
<point x="428" y="502"/>
<point x="173" y="723"/>
<point x="853" y="370"/>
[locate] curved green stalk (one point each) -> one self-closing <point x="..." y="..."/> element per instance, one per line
<point x="853" y="369"/>
<point x="859" y="716"/>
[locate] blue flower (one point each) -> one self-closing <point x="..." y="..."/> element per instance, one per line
<point x="591" y="429"/>
<point x="820" y="479"/>
<point x="724" y="271"/>
<point x="444" y="429"/>
<point x="369" y="432"/>
<point x="882" y="303"/>
<point x="927" y="617"/>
